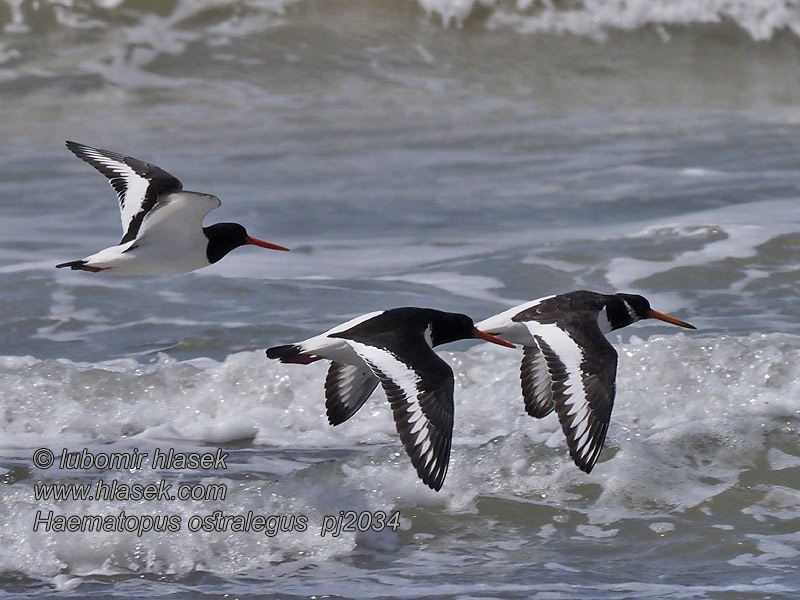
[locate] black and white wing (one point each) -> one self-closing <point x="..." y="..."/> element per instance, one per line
<point x="581" y="385"/>
<point x="138" y="184"/>
<point x="347" y="387"/>
<point x="420" y="391"/>
<point x="534" y="375"/>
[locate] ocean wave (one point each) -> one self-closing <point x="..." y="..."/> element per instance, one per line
<point x="221" y="20"/>
<point x="700" y="386"/>
<point x="699" y="413"/>
<point x="595" y="18"/>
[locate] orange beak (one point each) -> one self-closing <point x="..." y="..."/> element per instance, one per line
<point x="263" y="244"/>
<point x="654" y="314"/>
<point x="488" y="337"/>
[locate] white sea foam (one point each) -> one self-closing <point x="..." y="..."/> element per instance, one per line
<point x="282" y="405"/>
<point x="733" y="233"/>
<point x="690" y="411"/>
<point x="761" y="20"/>
<point x="151" y="34"/>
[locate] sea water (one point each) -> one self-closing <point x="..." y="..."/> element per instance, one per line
<point x="461" y="155"/>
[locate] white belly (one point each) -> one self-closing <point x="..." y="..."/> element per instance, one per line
<point x="179" y="254"/>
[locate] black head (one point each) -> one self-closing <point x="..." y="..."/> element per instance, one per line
<point x="448" y="327"/>
<point x="224" y="237"/>
<point x="624" y="309"/>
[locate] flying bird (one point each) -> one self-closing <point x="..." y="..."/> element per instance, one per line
<point x="162" y="225"/>
<point x="568" y="365"/>
<point x="394" y="348"/>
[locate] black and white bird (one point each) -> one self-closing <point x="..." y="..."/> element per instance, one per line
<point x="394" y="348"/>
<point x="568" y="365"/>
<point x="162" y="225"/>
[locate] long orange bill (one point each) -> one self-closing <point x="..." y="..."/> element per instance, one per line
<point x="263" y="244"/>
<point x="654" y="314"/>
<point x="477" y="333"/>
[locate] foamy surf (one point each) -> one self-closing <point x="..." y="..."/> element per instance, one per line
<point x="462" y="155"/>
<point x="593" y="18"/>
<point x="693" y="419"/>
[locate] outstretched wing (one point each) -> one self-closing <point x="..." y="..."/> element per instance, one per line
<point x="178" y="215"/>
<point x="138" y="184"/>
<point x="347" y="387"/>
<point x="581" y="385"/>
<point x="420" y="392"/>
<point x="537" y="387"/>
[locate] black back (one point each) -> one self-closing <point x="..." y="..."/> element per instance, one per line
<point x="393" y="326"/>
<point x="568" y="310"/>
<point x="573" y="310"/>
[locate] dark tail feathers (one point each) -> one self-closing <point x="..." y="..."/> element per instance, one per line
<point x="80" y="265"/>
<point x="290" y="353"/>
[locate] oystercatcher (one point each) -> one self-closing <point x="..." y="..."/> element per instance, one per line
<point x="162" y="225"/>
<point x="394" y="348"/>
<point x="567" y="363"/>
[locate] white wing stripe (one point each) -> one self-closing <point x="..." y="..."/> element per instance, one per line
<point x="132" y="198"/>
<point x="387" y="366"/>
<point x="583" y="422"/>
<point x="426" y="446"/>
<point x="420" y="437"/>
<point x="541" y="373"/>
<point x="504" y="319"/>
<point x="418" y="424"/>
<point x="583" y="433"/>
<point x="568" y="352"/>
<point x="416" y="416"/>
<point x="351" y="323"/>
<point x="574" y="409"/>
<point x="578" y="416"/>
<point x="393" y="368"/>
